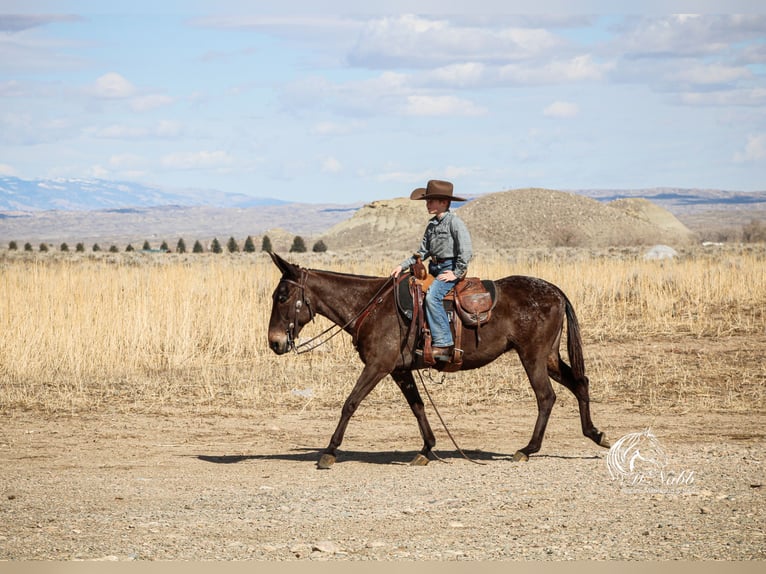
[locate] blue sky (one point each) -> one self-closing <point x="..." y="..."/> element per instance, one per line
<point x="347" y="103"/>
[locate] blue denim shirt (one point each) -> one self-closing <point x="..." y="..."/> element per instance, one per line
<point x="446" y="238"/>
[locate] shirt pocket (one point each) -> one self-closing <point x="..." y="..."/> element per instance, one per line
<point x="441" y="237"/>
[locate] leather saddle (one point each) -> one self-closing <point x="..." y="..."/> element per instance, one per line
<point x="468" y="304"/>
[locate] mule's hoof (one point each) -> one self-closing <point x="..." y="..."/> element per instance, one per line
<point x="604" y="441"/>
<point x="326" y="461"/>
<point x="419" y="460"/>
<point x="519" y="456"/>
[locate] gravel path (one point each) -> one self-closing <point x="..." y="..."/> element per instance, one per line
<point x="244" y="486"/>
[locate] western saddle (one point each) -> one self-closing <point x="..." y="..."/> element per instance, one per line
<point x="468" y="304"/>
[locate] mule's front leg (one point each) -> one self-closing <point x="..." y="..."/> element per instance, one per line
<point x="409" y="389"/>
<point x="370" y="377"/>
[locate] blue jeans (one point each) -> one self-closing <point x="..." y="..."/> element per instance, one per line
<point x="441" y="336"/>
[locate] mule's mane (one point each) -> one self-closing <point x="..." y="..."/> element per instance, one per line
<point x="345" y="275"/>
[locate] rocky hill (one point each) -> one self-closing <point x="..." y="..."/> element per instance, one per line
<point x="392" y="224"/>
<point x="517" y="218"/>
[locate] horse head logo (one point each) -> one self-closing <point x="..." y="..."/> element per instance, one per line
<point x="636" y="456"/>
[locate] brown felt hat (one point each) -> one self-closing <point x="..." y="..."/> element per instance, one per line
<point x="435" y="189"/>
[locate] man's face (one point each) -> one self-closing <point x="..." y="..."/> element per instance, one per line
<point x="437" y="206"/>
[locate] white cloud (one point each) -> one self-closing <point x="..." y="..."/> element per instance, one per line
<point x="8" y="170"/>
<point x="113" y="86"/>
<point x="418" y="105"/>
<point x="168" y="129"/>
<point x="297" y="25"/>
<point x="452" y="172"/>
<point x="404" y="177"/>
<point x="335" y="128"/>
<point x="458" y="75"/>
<point x="17" y="22"/>
<point x="25" y="46"/>
<point x="682" y="35"/>
<point x="331" y="165"/>
<point x="125" y="161"/>
<point x="118" y="132"/>
<point x="734" y="97"/>
<point x="98" y="172"/>
<point x="197" y="160"/>
<point x="150" y="102"/>
<point x="755" y="149"/>
<point x="708" y="73"/>
<point x="561" y="110"/>
<point x="580" y="68"/>
<point x="577" y="69"/>
<point x="418" y="178"/>
<point x="390" y="93"/>
<point x="163" y="129"/>
<point x="416" y="41"/>
<point x="381" y="94"/>
<point x="26" y="129"/>
<point x="11" y="89"/>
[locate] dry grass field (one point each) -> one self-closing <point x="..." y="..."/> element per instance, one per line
<point x="151" y="332"/>
<point x="146" y="419"/>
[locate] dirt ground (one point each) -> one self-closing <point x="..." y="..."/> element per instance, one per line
<point x="244" y="486"/>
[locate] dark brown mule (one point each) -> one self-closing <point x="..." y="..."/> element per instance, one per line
<point x="528" y="317"/>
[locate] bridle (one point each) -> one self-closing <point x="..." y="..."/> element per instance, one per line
<point x="303" y="300"/>
<point x="299" y="304"/>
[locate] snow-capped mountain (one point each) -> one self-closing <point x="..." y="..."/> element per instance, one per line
<point x="97" y="194"/>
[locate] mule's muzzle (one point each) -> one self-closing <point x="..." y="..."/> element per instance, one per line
<point x="279" y="347"/>
<point x="281" y="343"/>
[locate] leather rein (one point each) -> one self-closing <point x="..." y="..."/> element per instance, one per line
<point x="359" y="318"/>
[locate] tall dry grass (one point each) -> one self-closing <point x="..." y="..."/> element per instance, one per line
<point x="145" y="332"/>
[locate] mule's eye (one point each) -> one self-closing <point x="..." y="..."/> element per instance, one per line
<point x="282" y="298"/>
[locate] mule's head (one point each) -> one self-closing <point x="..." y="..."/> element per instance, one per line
<point x="291" y="308"/>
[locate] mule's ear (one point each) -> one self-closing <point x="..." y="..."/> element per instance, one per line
<point x="287" y="268"/>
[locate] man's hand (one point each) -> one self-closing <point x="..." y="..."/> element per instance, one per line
<point x="397" y="271"/>
<point x="448" y="275"/>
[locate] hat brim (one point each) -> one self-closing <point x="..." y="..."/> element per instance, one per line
<point x="421" y="193"/>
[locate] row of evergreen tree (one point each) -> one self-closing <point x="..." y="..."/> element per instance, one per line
<point x="298" y="246"/>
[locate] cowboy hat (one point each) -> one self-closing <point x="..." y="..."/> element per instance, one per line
<point x="435" y="189"/>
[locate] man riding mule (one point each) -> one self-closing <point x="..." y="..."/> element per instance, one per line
<point x="528" y="317"/>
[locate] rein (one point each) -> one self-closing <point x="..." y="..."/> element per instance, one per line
<point x="304" y="346"/>
<point x="449" y="434"/>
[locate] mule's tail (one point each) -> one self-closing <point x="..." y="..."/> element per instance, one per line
<point x="574" y="343"/>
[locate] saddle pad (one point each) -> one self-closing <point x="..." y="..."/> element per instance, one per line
<point x="405" y="297"/>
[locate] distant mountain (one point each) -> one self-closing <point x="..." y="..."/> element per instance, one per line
<point x="98" y="194"/>
<point x="681" y="200"/>
<point x="102" y="195"/>
<point x="55" y="210"/>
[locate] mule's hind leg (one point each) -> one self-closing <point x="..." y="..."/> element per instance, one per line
<point x="370" y="377"/>
<point x="406" y="383"/>
<point x="541" y="385"/>
<point x="562" y="373"/>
